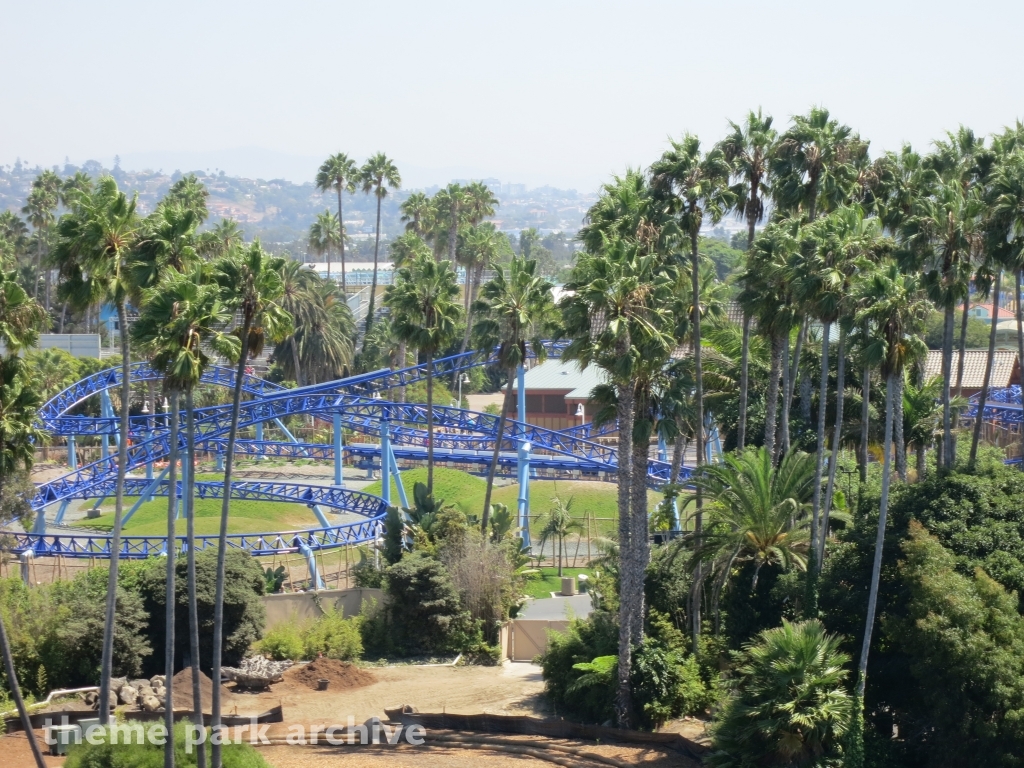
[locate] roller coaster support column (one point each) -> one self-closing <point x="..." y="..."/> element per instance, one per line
<point x="339" y="453"/>
<point x="662" y="448"/>
<point x="147" y="495"/>
<point x="72" y="454"/>
<point x="398" y="479"/>
<point x="259" y="438"/>
<point x="314" y="574"/>
<point x="524" y="492"/>
<point x="385" y="458"/>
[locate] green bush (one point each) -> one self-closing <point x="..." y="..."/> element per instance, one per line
<point x="152" y="755"/>
<point x="583" y="641"/>
<point x="244" y="614"/>
<point x="789" y="704"/>
<point x="425" y="614"/>
<point x="334" y="636"/>
<point x="283" y="642"/>
<point x="56" y="632"/>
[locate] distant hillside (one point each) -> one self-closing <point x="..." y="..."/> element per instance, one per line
<point x="279" y="212"/>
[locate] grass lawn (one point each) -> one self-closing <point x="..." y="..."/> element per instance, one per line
<point x="247" y="516"/>
<point x="544" y="583"/>
<point x="467" y="491"/>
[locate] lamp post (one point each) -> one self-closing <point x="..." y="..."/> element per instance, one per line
<point x="581" y="413"/>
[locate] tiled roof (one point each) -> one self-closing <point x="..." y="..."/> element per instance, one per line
<point x="1005" y="367"/>
<point x="559" y="375"/>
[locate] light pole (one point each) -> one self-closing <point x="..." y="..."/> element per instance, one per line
<point x="463" y="379"/>
<point x="581" y="413"/>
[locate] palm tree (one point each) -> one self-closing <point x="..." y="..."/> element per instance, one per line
<point x="424" y="301"/>
<point x="606" y="315"/>
<point x="749" y="149"/>
<point x="833" y="249"/>
<point x="20" y="320"/>
<point x="1007" y="193"/>
<point x="790" y="705"/>
<point x="181" y="318"/>
<point x="922" y="415"/>
<point x="481" y="245"/>
<point x="377" y="175"/>
<point x="514" y="308"/>
<point x="759" y="513"/>
<point x="96" y="244"/>
<point x="418" y="214"/>
<point x="325" y="233"/>
<point x="941" y="235"/>
<point x="39" y="209"/>
<point x="892" y="302"/>
<point x="221" y="239"/>
<point x="339" y="172"/>
<point x="558" y="525"/>
<point x="250" y="284"/>
<point x="451" y="204"/>
<point x="697" y="185"/>
<point x="766" y="295"/>
<point x="299" y="299"/>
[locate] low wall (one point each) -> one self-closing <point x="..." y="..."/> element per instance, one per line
<point x="301" y="607"/>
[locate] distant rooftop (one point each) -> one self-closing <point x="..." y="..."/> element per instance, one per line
<point x="563" y="376"/>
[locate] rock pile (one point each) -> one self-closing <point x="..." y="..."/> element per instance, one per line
<point x="145" y="694"/>
<point x="256" y="672"/>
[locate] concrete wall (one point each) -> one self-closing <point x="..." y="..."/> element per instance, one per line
<point x="301" y="607"/>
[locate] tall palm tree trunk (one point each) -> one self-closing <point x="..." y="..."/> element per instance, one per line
<point x="627" y="574"/>
<point x="170" y="591"/>
<point x="876" y="568"/>
<point x="193" y="602"/>
<point x="430" y="422"/>
<point x="403" y="362"/>
<point x="373" y="285"/>
<point x="865" y="417"/>
<point x="222" y="540"/>
<point x="947" y="362"/>
<point x="19" y="702"/>
<point x="1020" y="343"/>
<point x="341" y="235"/>
<point x="791" y="374"/>
<point x="741" y="428"/>
<point x="772" y="397"/>
<point x="698" y="397"/>
<point x="979" y="420"/>
<point x="639" y="520"/>
<point x="819" y="459"/>
<point x="897" y="430"/>
<point x="295" y="359"/>
<point x="837" y="436"/>
<point x="961" y="347"/>
<point x="107" y="659"/>
<point x="492" y="470"/>
<point x="678" y="448"/>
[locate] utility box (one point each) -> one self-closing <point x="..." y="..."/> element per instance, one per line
<point x="568" y="586"/>
<point x="60" y="737"/>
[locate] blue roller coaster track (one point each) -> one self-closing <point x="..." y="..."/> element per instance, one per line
<point x="362" y="404"/>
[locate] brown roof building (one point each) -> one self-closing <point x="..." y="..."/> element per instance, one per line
<point x="1005" y="368"/>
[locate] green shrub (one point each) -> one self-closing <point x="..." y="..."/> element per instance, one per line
<point x="244" y="614"/>
<point x="373" y="630"/>
<point x="425" y="613"/>
<point x="582" y="643"/>
<point x="152" y="755"/>
<point x="282" y="642"/>
<point x="789" y="705"/>
<point x="334" y="636"/>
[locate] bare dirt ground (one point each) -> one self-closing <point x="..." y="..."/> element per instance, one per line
<point x="512" y="689"/>
<point x="430" y="755"/>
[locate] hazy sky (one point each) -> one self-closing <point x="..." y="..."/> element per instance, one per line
<point x="565" y="93"/>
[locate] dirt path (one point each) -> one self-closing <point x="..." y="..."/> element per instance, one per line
<point x="512" y="689"/>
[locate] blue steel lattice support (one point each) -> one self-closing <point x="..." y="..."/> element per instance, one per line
<point x="524" y="492"/>
<point x="147" y="495"/>
<point x="259" y="438"/>
<point x="339" y="453"/>
<point x="398" y="478"/>
<point x="385" y="464"/>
